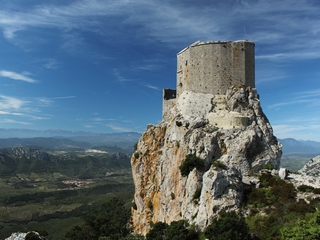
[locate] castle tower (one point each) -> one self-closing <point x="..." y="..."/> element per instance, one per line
<point x="212" y="67"/>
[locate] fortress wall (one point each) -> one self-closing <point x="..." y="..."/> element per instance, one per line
<point x="211" y="67"/>
<point x="227" y="122"/>
<point x="183" y="72"/>
<point x="250" y="64"/>
<point x="169" y="101"/>
<point x="243" y="69"/>
<point x="194" y="104"/>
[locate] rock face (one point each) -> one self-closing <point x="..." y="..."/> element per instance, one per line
<point x="308" y="175"/>
<point x="163" y="194"/>
<point x="22" y="236"/>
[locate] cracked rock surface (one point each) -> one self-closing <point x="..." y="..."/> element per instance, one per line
<point x="163" y="194"/>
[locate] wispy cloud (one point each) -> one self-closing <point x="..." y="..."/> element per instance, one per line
<point x="97" y="119"/>
<point x="31" y="109"/>
<point x="151" y="86"/>
<point x="311" y="96"/>
<point x="277" y="105"/>
<point x="64" y="97"/>
<point x="9" y="103"/>
<point x="182" y="22"/>
<point x="45" y="101"/>
<point x="50" y="63"/>
<point x="118" y="128"/>
<point x="14" y="121"/>
<point x="307" y="94"/>
<point x="120" y="78"/>
<point x="16" y="76"/>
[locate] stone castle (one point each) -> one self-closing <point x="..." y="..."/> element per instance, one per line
<point x="211" y="68"/>
<point x="214" y="114"/>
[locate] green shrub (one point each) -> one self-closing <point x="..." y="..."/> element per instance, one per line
<point x="150" y="206"/>
<point x="219" y="164"/>
<point x="307" y="229"/>
<point x="305" y="188"/>
<point x="268" y="166"/>
<point x="191" y="162"/>
<point x="300" y="207"/>
<point x="109" y="221"/>
<point x="230" y="225"/>
<point x="136" y="154"/>
<point x="156" y="232"/>
<point x="316" y="191"/>
<point x="177" y="230"/>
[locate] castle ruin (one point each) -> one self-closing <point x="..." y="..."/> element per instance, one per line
<point x="205" y="71"/>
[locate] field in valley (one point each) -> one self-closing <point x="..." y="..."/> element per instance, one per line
<point x="52" y="197"/>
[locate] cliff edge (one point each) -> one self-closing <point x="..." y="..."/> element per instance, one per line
<point x="236" y="134"/>
<point x="197" y="160"/>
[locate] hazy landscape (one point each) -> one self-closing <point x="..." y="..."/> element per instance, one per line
<point x="49" y="183"/>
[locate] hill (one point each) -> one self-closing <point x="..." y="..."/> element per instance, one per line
<point x="65" y="140"/>
<point x="293" y="146"/>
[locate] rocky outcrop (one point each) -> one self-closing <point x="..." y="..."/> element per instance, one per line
<point x="308" y="175"/>
<point x="19" y="152"/>
<point x="28" y="153"/>
<point x="238" y="137"/>
<point x="22" y="236"/>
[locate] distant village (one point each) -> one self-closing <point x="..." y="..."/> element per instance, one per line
<point x="75" y="184"/>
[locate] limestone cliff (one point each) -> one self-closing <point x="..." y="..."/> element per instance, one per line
<point x="229" y="128"/>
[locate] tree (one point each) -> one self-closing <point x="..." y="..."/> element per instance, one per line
<point x="308" y="229"/>
<point x="110" y="221"/>
<point x="157" y="231"/>
<point x="177" y="230"/>
<point x="230" y="225"/>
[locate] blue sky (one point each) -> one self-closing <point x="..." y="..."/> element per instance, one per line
<point x="101" y="65"/>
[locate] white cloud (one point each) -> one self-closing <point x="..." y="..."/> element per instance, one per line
<point x="151" y="86"/>
<point x="307" y="94"/>
<point x="266" y="22"/>
<point x="44" y="101"/>
<point x="65" y="97"/>
<point x="9" y="103"/>
<point x="118" y="128"/>
<point x="120" y="78"/>
<point x="16" y="76"/>
<point x="14" y="122"/>
<point x="290" y="103"/>
<point x="50" y="63"/>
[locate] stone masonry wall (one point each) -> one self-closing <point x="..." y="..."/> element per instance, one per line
<point x="212" y="67"/>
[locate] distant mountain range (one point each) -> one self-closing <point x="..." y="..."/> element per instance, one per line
<point x="29" y="133"/>
<point x="293" y="146"/>
<point x="60" y="139"/>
